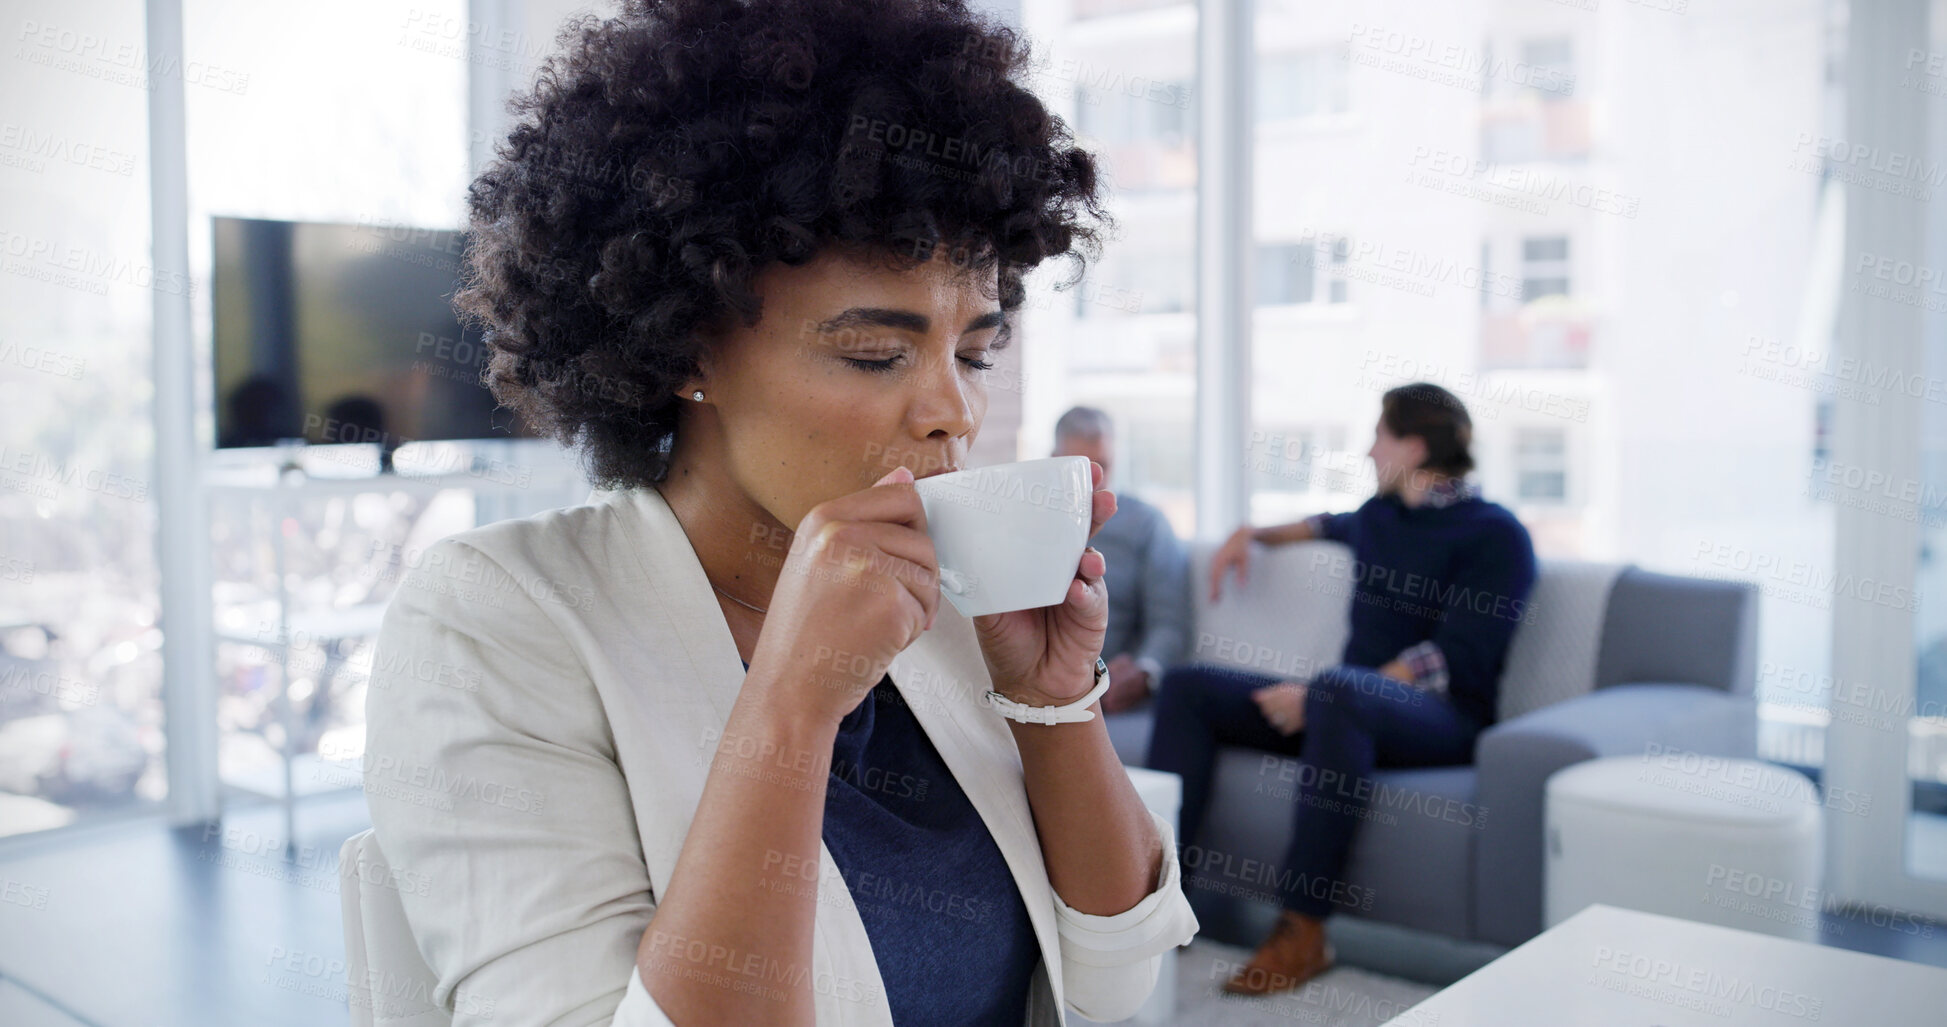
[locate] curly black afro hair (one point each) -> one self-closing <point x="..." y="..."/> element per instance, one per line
<point x="665" y="157"/>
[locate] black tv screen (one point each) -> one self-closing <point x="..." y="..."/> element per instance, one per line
<point x="345" y="333"/>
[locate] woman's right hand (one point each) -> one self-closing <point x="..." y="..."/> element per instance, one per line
<point x="1235" y="552"/>
<point x="858" y="586"/>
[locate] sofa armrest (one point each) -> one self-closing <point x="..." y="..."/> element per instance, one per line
<point x="1514" y="759"/>
<point x="1668" y="627"/>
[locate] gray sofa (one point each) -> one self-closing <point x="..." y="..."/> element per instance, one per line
<point x="1608" y="660"/>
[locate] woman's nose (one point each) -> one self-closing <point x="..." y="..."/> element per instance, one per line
<point x="943" y="404"/>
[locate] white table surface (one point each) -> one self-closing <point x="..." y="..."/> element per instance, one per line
<point x="1606" y="966"/>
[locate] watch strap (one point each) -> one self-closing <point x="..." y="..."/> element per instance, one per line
<point x="1071" y="713"/>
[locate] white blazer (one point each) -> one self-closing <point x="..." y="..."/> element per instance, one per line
<point x="546" y="697"/>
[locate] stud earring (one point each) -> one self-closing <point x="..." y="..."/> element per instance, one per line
<point x="697" y="395"/>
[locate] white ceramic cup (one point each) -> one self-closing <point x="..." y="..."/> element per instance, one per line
<point x="1010" y="536"/>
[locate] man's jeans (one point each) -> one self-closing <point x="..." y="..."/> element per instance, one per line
<point x="1356" y="719"/>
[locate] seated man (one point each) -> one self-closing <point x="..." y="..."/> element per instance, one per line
<point x="1439" y="577"/>
<point x="1147" y="574"/>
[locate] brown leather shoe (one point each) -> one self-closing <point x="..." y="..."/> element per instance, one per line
<point x="1295" y="953"/>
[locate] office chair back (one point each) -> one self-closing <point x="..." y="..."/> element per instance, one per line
<point x="388" y="983"/>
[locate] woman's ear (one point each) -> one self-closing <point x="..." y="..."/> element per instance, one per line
<point x="700" y="381"/>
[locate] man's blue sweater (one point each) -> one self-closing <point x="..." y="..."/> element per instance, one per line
<point x="1458" y="575"/>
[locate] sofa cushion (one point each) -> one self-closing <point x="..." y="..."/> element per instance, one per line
<point x="1415" y="852"/>
<point x="1411" y="862"/>
<point x="1552" y="655"/>
<point x="1129" y="732"/>
<point x="1291" y="619"/>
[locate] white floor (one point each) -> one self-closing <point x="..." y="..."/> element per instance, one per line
<point x="1342" y="997"/>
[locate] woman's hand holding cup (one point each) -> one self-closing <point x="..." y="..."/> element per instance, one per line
<point x="859" y="584"/>
<point x="1046" y="656"/>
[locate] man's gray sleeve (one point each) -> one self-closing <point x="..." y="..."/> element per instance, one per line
<point x="1166" y="597"/>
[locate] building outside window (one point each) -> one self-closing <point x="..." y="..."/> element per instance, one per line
<point x="1548" y="69"/>
<point x="1541" y="465"/>
<point x="1307" y="271"/>
<point x="1544" y="267"/>
<point x="1302" y="84"/>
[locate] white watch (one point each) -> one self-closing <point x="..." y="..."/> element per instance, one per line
<point x="1073" y="713"/>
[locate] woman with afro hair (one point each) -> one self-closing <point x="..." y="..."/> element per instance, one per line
<point x="708" y="748"/>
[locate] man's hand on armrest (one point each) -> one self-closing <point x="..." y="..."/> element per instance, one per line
<point x="1235" y="553"/>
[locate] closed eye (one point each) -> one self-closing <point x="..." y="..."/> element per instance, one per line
<point x="872" y="365"/>
<point x="882" y="366"/>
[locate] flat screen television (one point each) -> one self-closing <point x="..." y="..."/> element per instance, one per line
<point x="345" y="333"/>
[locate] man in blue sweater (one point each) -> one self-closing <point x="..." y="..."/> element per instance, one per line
<point x="1439" y="579"/>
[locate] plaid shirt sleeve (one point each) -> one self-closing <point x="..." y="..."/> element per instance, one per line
<point x="1427" y="664"/>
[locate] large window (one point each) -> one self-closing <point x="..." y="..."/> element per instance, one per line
<point x="1365" y="263"/>
<point x="1625" y="323"/>
<point x="310" y="132"/>
<point x="1124" y="75"/>
<point x="81" y="725"/>
<point x="310" y="141"/>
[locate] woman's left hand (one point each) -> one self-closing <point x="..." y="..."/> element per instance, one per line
<point x="1046" y="656"/>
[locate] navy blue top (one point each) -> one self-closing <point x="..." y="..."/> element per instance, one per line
<point x="1458" y="575"/>
<point x="948" y="928"/>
